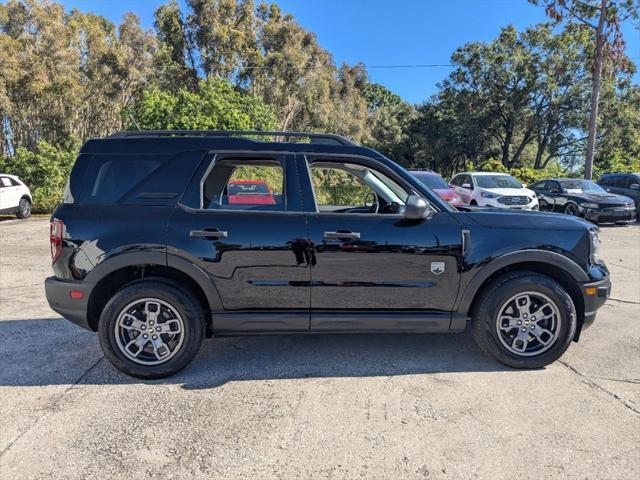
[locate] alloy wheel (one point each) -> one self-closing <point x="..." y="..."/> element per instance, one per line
<point x="528" y="324"/>
<point x="149" y="331"/>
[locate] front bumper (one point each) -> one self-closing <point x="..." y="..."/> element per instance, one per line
<point x="610" y="215"/>
<point x="531" y="206"/>
<point x="58" y="294"/>
<point x="594" y="295"/>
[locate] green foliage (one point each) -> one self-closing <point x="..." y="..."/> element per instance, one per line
<point x="44" y="170"/>
<point x="216" y="105"/>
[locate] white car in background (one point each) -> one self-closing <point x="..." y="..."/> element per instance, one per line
<point x="15" y="196"/>
<point x="498" y="190"/>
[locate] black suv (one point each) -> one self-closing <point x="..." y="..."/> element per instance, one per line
<point x="627" y="184"/>
<point x="164" y="238"/>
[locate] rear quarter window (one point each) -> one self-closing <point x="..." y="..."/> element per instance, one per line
<point x="110" y="177"/>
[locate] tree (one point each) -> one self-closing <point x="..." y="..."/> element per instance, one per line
<point x="216" y="105"/>
<point x="603" y="18"/>
<point x="174" y="59"/>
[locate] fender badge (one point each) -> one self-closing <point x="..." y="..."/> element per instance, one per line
<point x="437" y="268"/>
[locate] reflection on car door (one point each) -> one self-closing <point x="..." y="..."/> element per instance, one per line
<point x="253" y="254"/>
<point x="382" y="262"/>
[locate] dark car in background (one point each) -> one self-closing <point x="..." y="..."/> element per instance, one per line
<point x="436" y="183"/>
<point x="627" y="184"/>
<point x="584" y="198"/>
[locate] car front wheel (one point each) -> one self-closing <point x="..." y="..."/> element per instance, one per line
<point x="524" y="320"/>
<point x="151" y="329"/>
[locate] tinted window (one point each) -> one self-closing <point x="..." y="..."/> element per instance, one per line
<point x="5" y="182"/>
<point x="631" y="179"/>
<point x="245" y="184"/>
<point x="109" y="178"/>
<point x="455" y="181"/>
<point x="619" y="181"/>
<point x="605" y="180"/>
<point x="432" y="180"/>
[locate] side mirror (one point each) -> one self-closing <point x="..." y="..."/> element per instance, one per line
<point x="635" y="186"/>
<point x="415" y="208"/>
<point x="466" y="185"/>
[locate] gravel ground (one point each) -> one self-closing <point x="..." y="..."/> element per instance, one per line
<point x="326" y="406"/>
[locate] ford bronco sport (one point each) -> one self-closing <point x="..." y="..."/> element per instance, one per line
<point x="149" y="251"/>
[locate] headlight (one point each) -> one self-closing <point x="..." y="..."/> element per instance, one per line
<point x="590" y="205"/>
<point x="489" y="195"/>
<point x="595" y="246"/>
<point x="533" y="195"/>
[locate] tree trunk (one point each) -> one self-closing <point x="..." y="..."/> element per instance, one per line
<point x="595" y="92"/>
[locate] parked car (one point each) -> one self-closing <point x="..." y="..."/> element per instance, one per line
<point x="250" y="192"/>
<point x="147" y="252"/>
<point x="15" y="196"/>
<point x="436" y="183"/>
<point x="627" y="184"/>
<point x="584" y="198"/>
<point x="498" y="190"/>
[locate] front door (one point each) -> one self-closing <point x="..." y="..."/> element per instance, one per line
<point x="250" y="236"/>
<point x="367" y="257"/>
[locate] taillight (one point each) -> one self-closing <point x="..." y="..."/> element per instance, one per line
<point x="55" y="238"/>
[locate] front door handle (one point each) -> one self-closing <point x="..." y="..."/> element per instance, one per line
<point x="208" y="233"/>
<point x="342" y="235"/>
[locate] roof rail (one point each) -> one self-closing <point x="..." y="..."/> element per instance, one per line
<point x="329" y="138"/>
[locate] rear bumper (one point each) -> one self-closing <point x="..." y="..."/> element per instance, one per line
<point x="58" y="294"/>
<point x="592" y="302"/>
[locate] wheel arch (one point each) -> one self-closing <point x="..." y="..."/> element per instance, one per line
<point x="558" y="267"/>
<point x="112" y="275"/>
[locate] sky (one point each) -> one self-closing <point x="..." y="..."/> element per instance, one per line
<point x="388" y="32"/>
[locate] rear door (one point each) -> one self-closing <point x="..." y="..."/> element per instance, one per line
<point x="367" y="257"/>
<point x="253" y="251"/>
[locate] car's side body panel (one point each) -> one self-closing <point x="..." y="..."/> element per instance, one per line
<point x="276" y="271"/>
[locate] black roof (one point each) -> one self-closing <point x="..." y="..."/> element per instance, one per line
<point x="176" y="141"/>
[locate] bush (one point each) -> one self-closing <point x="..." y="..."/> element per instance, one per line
<point x="45" y="171"/>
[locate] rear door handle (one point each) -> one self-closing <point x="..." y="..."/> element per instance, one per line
<point x="341" y="235"/>
<point x="208" y="233"/>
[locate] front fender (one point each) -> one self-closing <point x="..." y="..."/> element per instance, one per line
<point x="556" y="260"/>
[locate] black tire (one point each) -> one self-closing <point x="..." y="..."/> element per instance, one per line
<point x="572" y="209"/>
<point x="474" y="203"/>
<point x="24" y="208"/>
<point x="493" y="298"/>
<point x="182" y="301"/>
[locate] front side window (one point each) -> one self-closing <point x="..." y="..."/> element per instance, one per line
<point x="353" y="188"/>
<point x="244" y="184"/>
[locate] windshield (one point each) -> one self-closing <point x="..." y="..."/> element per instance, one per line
<point x="580" y="186"/>
<point x="248" y="189"/>
<point x="497" y="181"/>
<point x="432" y="181"/>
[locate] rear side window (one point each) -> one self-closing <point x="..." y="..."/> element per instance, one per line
<point x="110" y="177"/>
<point x="631" y="179"/>
<point x="5" y="182"/>
<point x="244" y="184"/>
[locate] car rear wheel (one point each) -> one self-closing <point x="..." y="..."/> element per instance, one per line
<point x="24" y="208"/>
<point x="151" y="329"/>
<point x="524" y="320"/>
